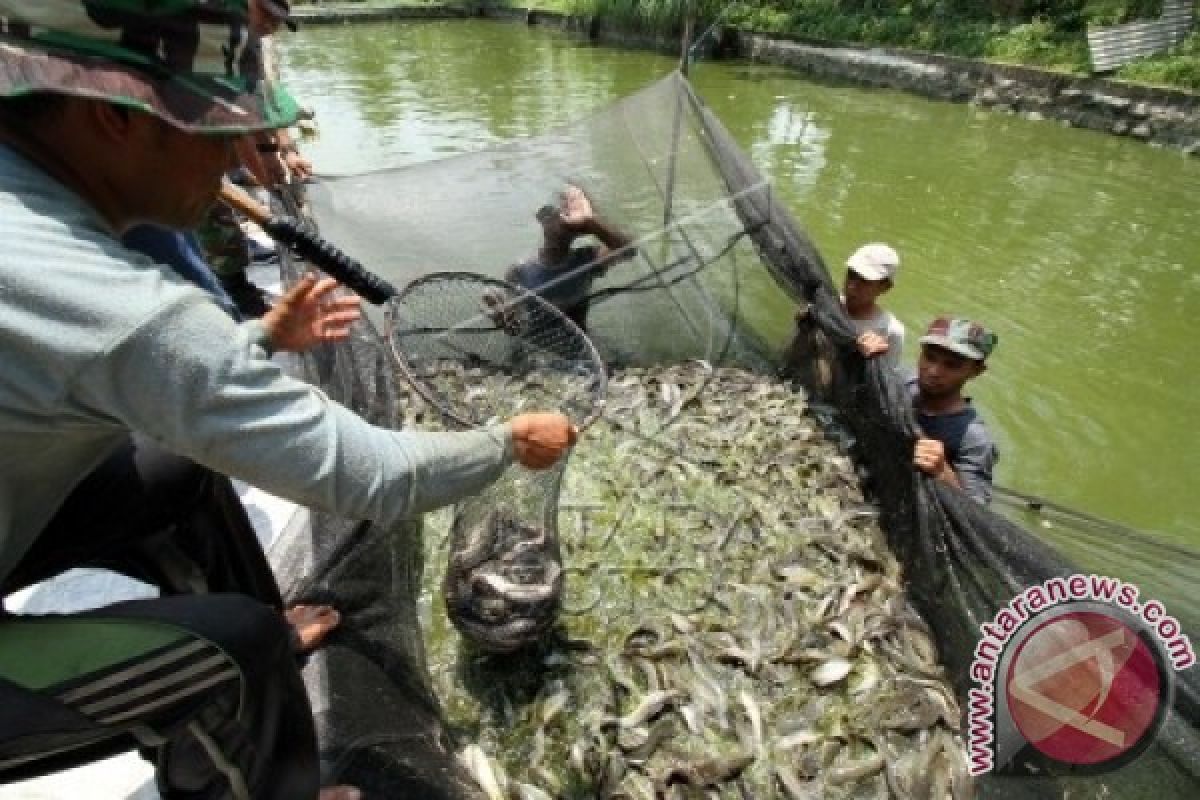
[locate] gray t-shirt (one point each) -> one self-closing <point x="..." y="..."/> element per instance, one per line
<point x="885" y="324"/>
<point x="969" y="446"/>
<point x="97" y="341"/>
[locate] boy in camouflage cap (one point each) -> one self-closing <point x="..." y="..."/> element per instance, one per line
<point x="127" y="394"/>
<point x="957" y="447"/>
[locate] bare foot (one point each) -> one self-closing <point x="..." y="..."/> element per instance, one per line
<point x="340" y="793"/>
<point x="312" y="624"/>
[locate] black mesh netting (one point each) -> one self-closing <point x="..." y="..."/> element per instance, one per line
<point x="701" y="336"/>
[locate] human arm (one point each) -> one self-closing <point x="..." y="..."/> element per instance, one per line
<point x="895" y="339"/>
<point x="196" y="382"/>
<point x="540" y="438"/>
<point x="300" y="167"/>
<point x="887" y="339"/>
<point x="975" y="462"/>
<point x="929" y="456"/>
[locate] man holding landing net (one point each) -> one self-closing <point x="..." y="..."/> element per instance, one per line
<point x="114" y="113"/>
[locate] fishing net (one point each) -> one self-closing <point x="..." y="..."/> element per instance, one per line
<point x="463" y="341"/>
<point x="761" y="596"/>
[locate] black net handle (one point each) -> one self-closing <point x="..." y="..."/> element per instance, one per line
<point x="308" y="244"/>
<point x="456" y="281"/>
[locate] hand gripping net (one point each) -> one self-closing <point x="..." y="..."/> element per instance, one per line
<point x="481" y="351"/>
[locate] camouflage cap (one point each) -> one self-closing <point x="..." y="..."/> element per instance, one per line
<point x="962" y="336"/>
<point x="193" y="63"/>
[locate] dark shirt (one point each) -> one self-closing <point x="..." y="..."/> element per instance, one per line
<point x="565" y="285"/>
<point x="970" y="449"/>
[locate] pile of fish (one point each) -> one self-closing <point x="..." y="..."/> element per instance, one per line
<point x="504" y="579"/>
<point x="733" y="624"/>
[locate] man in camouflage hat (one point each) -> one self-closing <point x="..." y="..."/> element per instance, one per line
<point x="269" y="157"/>
<point x="114" y="112"/>
<point x="957" y="447"/>
<point x="277" y="146"/>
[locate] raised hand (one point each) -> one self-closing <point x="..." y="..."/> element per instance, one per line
<point x="300" y="167"/>
<point x="576" y="211"/>
<point x="311" y="314"/>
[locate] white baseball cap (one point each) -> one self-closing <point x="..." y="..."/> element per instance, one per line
<point x="875" y="262"/>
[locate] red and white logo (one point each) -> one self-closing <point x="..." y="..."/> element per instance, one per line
<point x="1075" y="672"/>
<point x="1084" y="688"/>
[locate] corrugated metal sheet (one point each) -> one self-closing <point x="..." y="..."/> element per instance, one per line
<point x="1119" y="44"/>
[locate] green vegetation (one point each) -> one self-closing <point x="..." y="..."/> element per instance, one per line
<point x="1180" y="67"/>
<point x="1043" y="33"/>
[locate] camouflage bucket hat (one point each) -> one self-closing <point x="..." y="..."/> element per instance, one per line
<point x="193" y="63"/>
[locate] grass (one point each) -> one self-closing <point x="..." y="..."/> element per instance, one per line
<point x="1179" y="68"/>
<point x="357" y="5"/>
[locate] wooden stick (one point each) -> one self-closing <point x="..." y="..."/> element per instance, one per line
<point x="241" y="201"/>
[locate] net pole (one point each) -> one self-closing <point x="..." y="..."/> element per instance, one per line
<point x="685" y="46"/>
<point x="677" y="123"/>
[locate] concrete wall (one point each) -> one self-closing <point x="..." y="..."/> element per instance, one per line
<point x="1163" y="117"/>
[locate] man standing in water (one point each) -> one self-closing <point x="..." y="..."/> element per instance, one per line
<point x="113" y="114"/>
<point x="956" y="447"/>
<point x="562" y="273"/>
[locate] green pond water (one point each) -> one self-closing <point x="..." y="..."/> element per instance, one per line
<point x="1081" y="250"/>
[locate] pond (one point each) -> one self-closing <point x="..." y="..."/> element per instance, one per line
<point x="1079" y="249"/>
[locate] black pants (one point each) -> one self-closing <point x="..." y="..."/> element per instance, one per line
<point x="203" y="680"/>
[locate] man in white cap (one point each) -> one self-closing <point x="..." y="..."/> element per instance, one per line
<point x="870" y="272"/>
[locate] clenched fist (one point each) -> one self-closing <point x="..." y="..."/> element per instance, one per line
<point x="871" y="344"/>
<point x="540" y="438"/>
